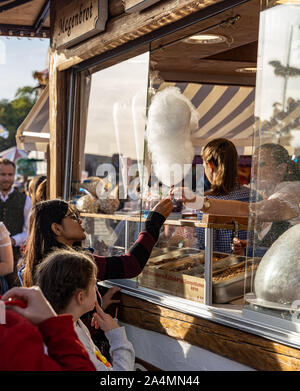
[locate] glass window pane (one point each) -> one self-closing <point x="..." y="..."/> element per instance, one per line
<point x="276" y="175"/>
<point x="111" y="152"/>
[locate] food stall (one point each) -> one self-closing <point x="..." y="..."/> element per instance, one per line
<point x="190" y="308"/>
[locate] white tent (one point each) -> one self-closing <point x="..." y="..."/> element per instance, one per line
<point x="13" y="154"/>
<point x="33" y="134"/>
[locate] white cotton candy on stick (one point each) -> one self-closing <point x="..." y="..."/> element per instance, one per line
<point x="171" y="119"/>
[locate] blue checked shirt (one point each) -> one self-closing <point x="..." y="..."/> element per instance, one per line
<point x="222" y="238"/>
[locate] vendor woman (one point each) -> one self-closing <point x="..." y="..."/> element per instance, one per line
<point x="279" y="187"/>
<point x="220" y="161"/>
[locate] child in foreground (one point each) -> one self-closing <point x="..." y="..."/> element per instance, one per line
<point x="68" y="280"/>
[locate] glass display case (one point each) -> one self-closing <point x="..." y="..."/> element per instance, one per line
<point x="126" y="165"/>
<point x="142" y="136"/>
<point x="276" y="176"/>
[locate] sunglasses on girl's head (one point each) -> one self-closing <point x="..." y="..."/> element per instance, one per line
<point x="74" y="216"/>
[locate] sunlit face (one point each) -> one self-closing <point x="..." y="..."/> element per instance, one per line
<point x="266" y="171"/>
<point x="208" y="171"/>
<point x="7" y="177"/>
<point x="72" y="230"/>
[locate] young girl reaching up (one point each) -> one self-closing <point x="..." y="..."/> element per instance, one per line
<point x="68" y="280"/>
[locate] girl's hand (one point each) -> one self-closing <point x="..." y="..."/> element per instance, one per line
<point x="184" y="194"/>
<point x="102" y="320"/>
<point x="187" y="196"/>
<point x="107" y="298"/>
<point x="164" y="207"/>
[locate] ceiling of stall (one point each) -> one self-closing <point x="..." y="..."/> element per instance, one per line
<point x="207" y="73"/>
<point x="177" y="60"/>
<point x="25" y="18"/>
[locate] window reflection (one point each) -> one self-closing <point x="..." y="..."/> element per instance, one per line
<point x="111" y="152"/>
<point x="275" y="172"/>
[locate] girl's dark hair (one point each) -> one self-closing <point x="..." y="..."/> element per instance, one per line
<point x="223" y="154"/>
<point x="62" y="273"/>
<point x="41" y="239"/>
<point x="281" y="155"/>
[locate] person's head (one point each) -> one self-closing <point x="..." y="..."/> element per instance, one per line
<point x="41" y="191"/>
<point x="220" y="160"/>
<point x="7" y="174"/>
<point x="67" y="279"/>
<point x="33" y="187"/>
<point x="273" y="165"/>
<point x="53" y="223"/>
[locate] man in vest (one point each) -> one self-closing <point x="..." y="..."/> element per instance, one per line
<point x="14" y="213"/>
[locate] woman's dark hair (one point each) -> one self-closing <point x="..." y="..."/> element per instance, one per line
<point x="62" y="273"/>
<point x="281" y="155"/>
<point x="41" y="239"/>
<point x="223" y="155"/>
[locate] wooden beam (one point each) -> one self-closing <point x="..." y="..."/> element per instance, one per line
<point x="57" y="122"/>
<point x="13" y="4"/>
<point x="121" y="30"/>
<point x="210" y="78"/>
<point x="245" y="348"/>
<point x="42" y="17"/>
<point x="244" y="53"/>
<point x="115" y="7"/>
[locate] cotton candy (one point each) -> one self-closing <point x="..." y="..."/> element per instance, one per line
<point x="171" y="120"/>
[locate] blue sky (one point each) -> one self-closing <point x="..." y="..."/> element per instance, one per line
<point x="18" y="59"/>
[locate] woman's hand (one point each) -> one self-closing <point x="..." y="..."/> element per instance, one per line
<point x="164" y="207"/>
<point x="239" y="246"/>
<point x="107" y="297"/>
<point x="184" y="194"/>
<point x="102" y="320"/>
<point x="37" y="307"/>
<point x="188" y="197"/>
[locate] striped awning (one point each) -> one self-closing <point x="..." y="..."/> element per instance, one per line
<point x="225" y="111"/>
<point x="34" y="134"/>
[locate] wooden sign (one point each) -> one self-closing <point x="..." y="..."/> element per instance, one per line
<point x="132" y="6"/>
<point x="78" y="20"/>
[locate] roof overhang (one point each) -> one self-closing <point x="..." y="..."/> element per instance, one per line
<point x="25" y="18"/>
<point x="34" y="134"/>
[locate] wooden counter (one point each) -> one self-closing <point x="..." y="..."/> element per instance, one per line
<point x="208" y="220"/>
<point x="248" y="349"/>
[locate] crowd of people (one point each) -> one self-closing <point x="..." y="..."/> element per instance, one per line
<point x="52" y="303"/>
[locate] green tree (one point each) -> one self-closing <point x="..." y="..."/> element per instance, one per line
<point x="13" y="113"/>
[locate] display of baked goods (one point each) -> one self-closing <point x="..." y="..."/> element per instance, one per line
<point x="196" y="271"/>
<point x="174" y="255"/>
<point x="108" y="198"/>
<point x="87" y="204"/>
<point x="233" y="272"/>
<point x="170" y="268"/>
<point x="180" y="264"/>
<point x="90" y="184"/>
<point x="159" y="259"/>
<point x="108" y="205"/>
<point x="224" y="266"/>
